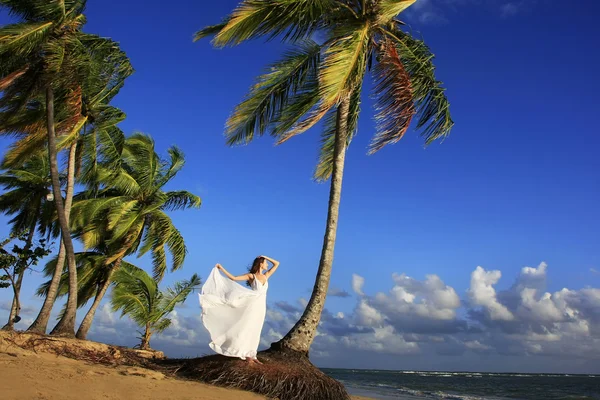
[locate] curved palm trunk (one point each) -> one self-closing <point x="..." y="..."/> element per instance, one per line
<point x="66" y="326"/>
<point x="89" y="317"/>
<point x="301" y="336"/>
<point x="145" y="345"/>
<point x="16" y="304"/>
<point x="41" y="322"/>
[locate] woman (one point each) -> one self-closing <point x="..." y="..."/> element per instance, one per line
<point x="233" y="314"/>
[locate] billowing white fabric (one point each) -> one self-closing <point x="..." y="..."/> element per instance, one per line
<point x="233" y="314"/>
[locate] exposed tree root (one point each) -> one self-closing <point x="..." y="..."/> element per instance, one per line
<point x="283" y="375"/>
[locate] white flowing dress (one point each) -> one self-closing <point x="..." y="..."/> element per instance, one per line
<point x="233" y="314"/>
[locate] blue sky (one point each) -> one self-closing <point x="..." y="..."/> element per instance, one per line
<point x="516" y="183"/>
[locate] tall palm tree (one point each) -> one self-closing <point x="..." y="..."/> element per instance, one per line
<point x="100" y="140"/>
<point x="42" y="55"/>
<point x="136" y="294"/>
<point x="88" y="73"/>
<point x="25" y="196"/>
<point x="316" y="81"/>
<point x="127" y="214"/>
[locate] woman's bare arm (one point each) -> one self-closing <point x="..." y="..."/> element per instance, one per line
<point x="271" y="270"/>
<point x="244" y="277"/>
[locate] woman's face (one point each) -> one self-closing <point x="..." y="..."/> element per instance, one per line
<point x="264" y="265"/>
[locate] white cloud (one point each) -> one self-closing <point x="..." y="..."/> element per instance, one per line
<point x="357" y="284"/>
<point x="482" y="293"/>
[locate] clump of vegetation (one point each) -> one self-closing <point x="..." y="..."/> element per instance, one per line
<point x="136" y="294"/>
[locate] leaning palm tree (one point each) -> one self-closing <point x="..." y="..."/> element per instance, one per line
<point x="26" y="194"/>
<point x="323" y="81"/>
<point x="136" y="294"/>
<point x="100" y="141"/>
<point x="43" y="55"/>
<point x="128" y="214"/>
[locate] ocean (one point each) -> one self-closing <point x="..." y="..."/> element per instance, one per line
<point x="418" y="385"/>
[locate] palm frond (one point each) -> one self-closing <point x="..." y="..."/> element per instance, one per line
<point x="292" y="19"/>
<point x="433" y="108"/>
<point x="176" y="294"/>
<point x="21" y="39"/>
<point x="22" y="150"/>
<point x="181" y="200"/>
<point x="175" y="164"/>
<point x="134" y="294"/>
<point x="388" y="9"/>
<point x="272" y="92"/>
<point x="394" y="94"/>
<point x="342" y="69"/>
<point x="177" y="249"/>
<point x="210" y="30"/>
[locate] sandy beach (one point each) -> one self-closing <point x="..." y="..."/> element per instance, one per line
<point x="27" y="375"/>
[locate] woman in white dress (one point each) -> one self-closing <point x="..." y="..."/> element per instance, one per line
<point x="233" y="314"/>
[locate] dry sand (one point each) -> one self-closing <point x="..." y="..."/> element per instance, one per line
<point x="26" y="375"/>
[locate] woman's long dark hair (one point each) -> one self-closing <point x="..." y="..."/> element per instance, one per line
<point x="255" y="268"/>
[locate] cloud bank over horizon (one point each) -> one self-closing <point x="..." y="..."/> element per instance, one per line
<point x="418" y="324"/>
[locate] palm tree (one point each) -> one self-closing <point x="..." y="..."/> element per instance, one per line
<point x="26" y="191"/>
<point x="136" y="294"/>
<point x="42" y="55"/>
<point x="316" y="81"/>
<point x="99" y="141"/>
<point x="127" y="215"/>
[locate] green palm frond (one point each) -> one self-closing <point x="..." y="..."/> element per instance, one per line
<point x="342" y="69"/>
<point x="181" y="200"/>
<point x="24" y="38"/>
<point x="159" y="261"/>
<point x="177" y="249"/>
<point x="271" y="94"/>
<point x="292" y="19"/>
<point x="134" y="294"/>
<point x="176" y="294"/>
<point x="388" y="9"/>
<point x="24" y="193"/>
<point x="302" y="102"/>
<point x="210" y="30"/>
<point x="175" y="164"/>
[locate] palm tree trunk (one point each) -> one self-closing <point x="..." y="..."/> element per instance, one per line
<point x="89" y="317"/>
<point x="303" y="333"/>
<point x="145" y="345"/>
<point x="16" y="304"/>
<point x="41" y="322"/>
<point x="66" y="326"/>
